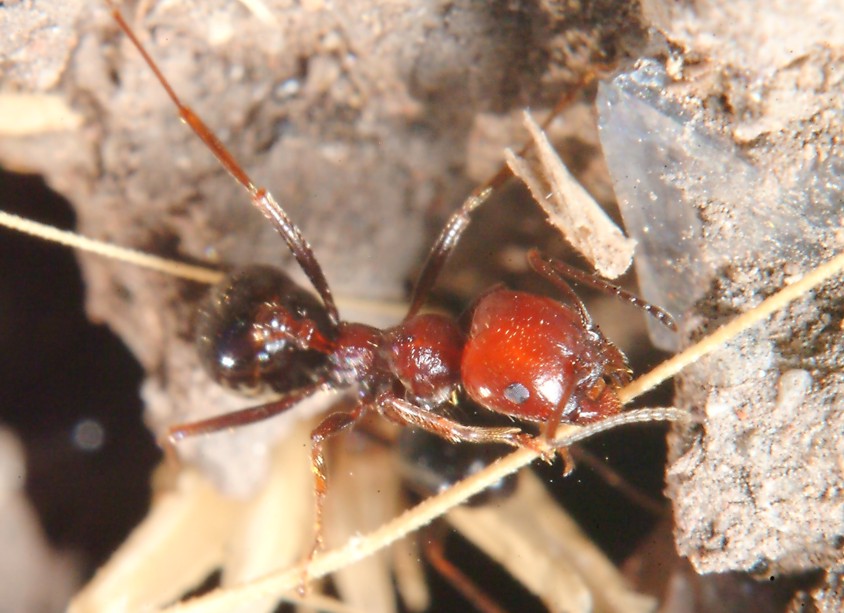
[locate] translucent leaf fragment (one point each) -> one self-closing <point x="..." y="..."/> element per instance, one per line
<point x="570" y="208"/>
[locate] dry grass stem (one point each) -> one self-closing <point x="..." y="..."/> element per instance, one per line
<point x="728" y="331"/>
<point x="28" y="114"/>
<point x="381" y="310"/>
<point x="180" y="540"/>
<point x="408" y="522"/>
<point x="261" y="11"/>
<point x="268" y="533"/>
<point x="365" y="494"/>
<point x="200" y="274"/>
<point x="411" y="582"/>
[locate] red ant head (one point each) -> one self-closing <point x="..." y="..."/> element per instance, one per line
<point x="527" y="355"/>
<point x="233" y="331"/>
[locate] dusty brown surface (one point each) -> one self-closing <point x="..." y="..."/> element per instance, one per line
<point x="758" y="488"/>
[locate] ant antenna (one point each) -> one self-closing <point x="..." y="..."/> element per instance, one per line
<point x="540" y="262"/>
<point x="260" y="197"/>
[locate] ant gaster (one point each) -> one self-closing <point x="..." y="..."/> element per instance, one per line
<point x="525" y="356"/>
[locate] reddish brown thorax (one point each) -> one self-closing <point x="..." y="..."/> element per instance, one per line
<point x="424" y="354"/>
<point x="526" y="353"/>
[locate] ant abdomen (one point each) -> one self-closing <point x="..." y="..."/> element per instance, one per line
<point x="235" y="325"/>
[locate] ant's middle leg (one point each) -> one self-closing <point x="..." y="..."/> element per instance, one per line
<point x="442" y="249"/>
<point x="459" y="220"/>
<point x="434" y="550"/>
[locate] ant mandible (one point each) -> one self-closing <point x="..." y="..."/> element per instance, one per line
<point x="524" y="355"/>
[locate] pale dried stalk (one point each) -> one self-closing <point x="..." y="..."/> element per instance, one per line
<point x="730" y="330"/>
<point x="408" y="522"/>
<point x="364" y="495"/>
<point x="376" y="309"/>
<point x="166" y="266"/>
<point x="261" y="11"/>
<point x="531" y="536"/>
<point x="411" y="583"/>
<point x="268" y="531"/>
<point x="193" y="514"/>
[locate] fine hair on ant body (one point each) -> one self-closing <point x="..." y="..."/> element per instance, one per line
<point x="525" y="356"/>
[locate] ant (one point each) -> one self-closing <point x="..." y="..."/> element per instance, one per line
<point x="524" y="356"/>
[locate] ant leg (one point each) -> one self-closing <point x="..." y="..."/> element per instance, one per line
<point x="553" y="423"/>
<point x="556" y="417"/>
<point x="459" y="220"/>
<point x="407" y="413"/>
<point x="259" y="196"/>
<point x="174" y="434"/>
<point x="447" y="241"/>
<point x="471" y="591"/>
<point x="544" y="267"/>
<point x="614" y="480"/>
<point x="555" y="270"/>
<point x="328" y="427"/>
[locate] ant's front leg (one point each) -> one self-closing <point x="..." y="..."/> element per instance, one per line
<point x="556" y="271"/>
<point x="409" y="414"/>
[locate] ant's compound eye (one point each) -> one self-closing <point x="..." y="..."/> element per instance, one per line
<point x="516" y="393"/>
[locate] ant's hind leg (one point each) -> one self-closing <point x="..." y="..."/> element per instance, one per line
<point x="235" y="419"/>
<point x="434" y="550"/>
